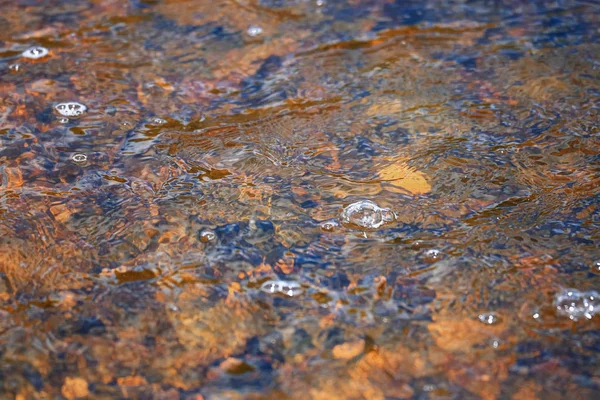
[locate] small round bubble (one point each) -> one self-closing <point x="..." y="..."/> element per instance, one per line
<point x="329" y="226"/>
<point x="15" y="67"/>
<point x="489" y="319"/>
<point x="207" y="236"/>
<point x="288" y="288"/>
<point x="159" y="121"/>
<point x="433" y="255"/>
<point x="70" y="109"/>
<point x="79" y="158"/>
<point x="254" y="30"/>
<point x="35" y="53"/>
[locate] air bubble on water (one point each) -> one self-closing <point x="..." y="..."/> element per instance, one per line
<point x="254" y="30"/>
<point x="330" y="226"/>
<point x="596" y="267"/>
<point x="536" y="315"/>
<point x="63" y="120"/>
<point x="70" y="109"/>
<point x="207" y="236"/>
<point x="433" y="255"/>
<point x="367" y="214"/>
<point x="320" y="3"/>
<point x="15" y="67"/>
<point x="575" y="304"/>
<point x="79" y="158"/>
<point x="489" y="318"/>
<point x="35" y="53"/>
<point x="159" y="121"/>
<point x="288" y="288"/>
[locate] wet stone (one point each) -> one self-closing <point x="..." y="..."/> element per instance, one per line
<point x="70" y="109"/>
<point x="35" y="53"/>
<point x="366" y="214"/>
<point x="288" y="288"/>
<point x="576" y="305"/>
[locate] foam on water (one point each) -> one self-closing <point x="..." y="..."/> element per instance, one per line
<point x="288" y="288"/>
<point x="575" y="304"/>
<point x="35" y="53"/>
<point x="367" y="214"/>
<point x="70" y="109"/>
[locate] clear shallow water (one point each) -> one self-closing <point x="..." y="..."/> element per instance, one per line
<point x="151" y="238"/>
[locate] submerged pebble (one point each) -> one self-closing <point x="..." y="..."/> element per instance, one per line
<point x="367" y="214"/>
<point x="35" y="53"/>
<point x="70" y="109"/>
<point x="576" y="304"/>
<point x="289" y="288"/>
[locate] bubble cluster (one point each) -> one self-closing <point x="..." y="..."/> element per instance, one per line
<point x="366" y="214"/>
<point x="288" y="288"/>
<point x="575" y="304"/>
<point x="70" y="109"/>
<point x="489" y="318"/>
<point x="35" y="53"/>
<point x="79" y="158"/>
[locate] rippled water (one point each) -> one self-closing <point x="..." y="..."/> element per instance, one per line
<point x="302" y="199"/>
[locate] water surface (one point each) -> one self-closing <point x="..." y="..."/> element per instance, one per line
<point x="302" y="199"/>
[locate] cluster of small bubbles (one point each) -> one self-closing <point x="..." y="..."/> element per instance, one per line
<point x="288" y="288"/>
<point x="576" y="304"/>
<point x="489" y="318"/>
<point x="15" y="67"/>
<point x="367" y="214"/>
<point x="330" y="226"/>
<point x="159" y="121"/>
<point x="35" y="52"/>
<point x="70" y="109"/>
<point x="433" y="255"/>
<point x="254" y="30"/>
<point x="207" y="236"/>
<point x="79" y="158"/>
